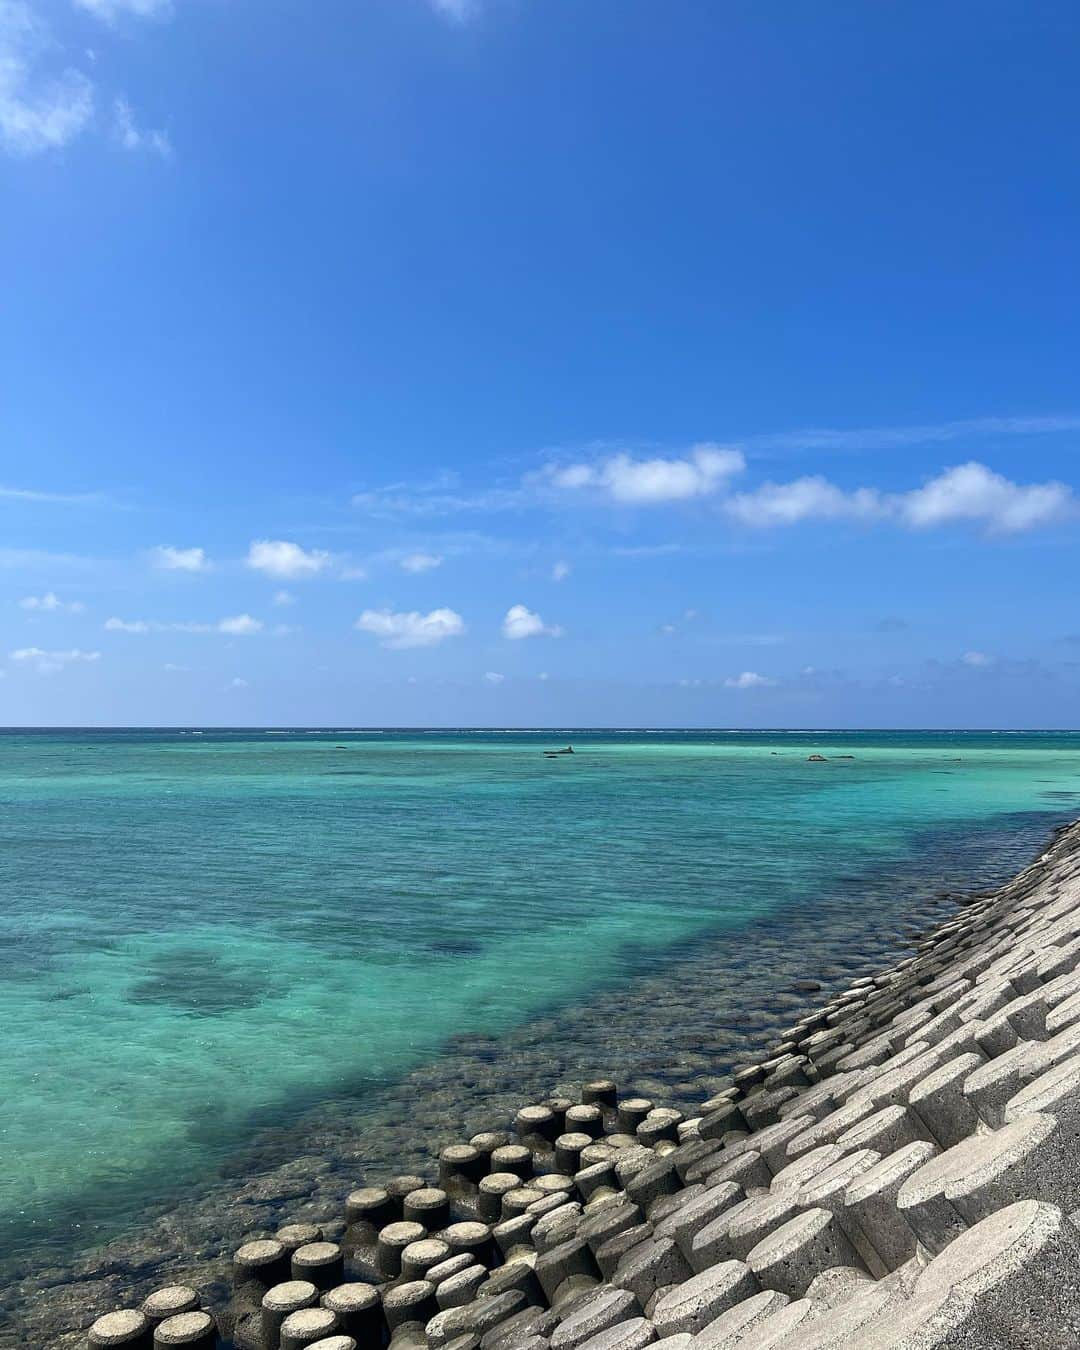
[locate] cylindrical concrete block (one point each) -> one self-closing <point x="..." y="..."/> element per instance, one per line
<point x="358" y="1309"/>
<point x="553" y="1183"/>
<point x="585" y="1120"/>
<point x="568" y="1149"/>
<point x="128" y="1329"/>
<point x="516" y="1202"/>
<point x="419" y="1257"/>
<point x="792" y="1256"/>
<point x="397" y="1188"/>
<point x="453" y="1265"/>
<point x="598" y="1178"/>
<point x="536" y="1122"/>
<point x="599" y="1152"/>
<point x="410" y="1302"/>
<point x="171" y="1301"/>
<point x="660" y="1123"/>
<point x="871" y="1199"/>
<point x="461" y="1288"/>
<point x="371" y="1205"/>
<point x="631" y="1113"/>
<point x="461" y="1165"/>
<point x="601" y="1092"/>
<point x="560" y="1106"/>
<point x="430" y="1205"/>
<point x="323" y="1263"/>
<point x="188" y="1331"/>
<point x="518" y="1275"/>
<point x="487" y="1141"/>
<point x="489" y="1198"/>
<point x="279" y="1302"/>
<point x="393" y="1240"/>
<point x="334" y="1343"/>
<point x="294" y="1235"/>
<point x="259" y="1265"/>
<point x="514" y="1158"/>
<point x="304" y="1328"/>
<point x="474" y="1238"/>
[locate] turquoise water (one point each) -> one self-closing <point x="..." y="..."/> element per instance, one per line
<point x="204" y="930"/>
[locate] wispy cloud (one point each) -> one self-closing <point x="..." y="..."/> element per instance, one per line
<point x="561" y="571"/>
<point x="130" y="136"/>
<point x="50" y="603"/>
<point x="238" y="625"/>
<point x="421" y="562"/>
<point x="38" y="110"/>
<point x="109" y="11"/>
<point x="48" y="663"/>
<point x="894" y="438"/>
<point x="20" y="494"/>
<point x="411" y="629"/>
<point x="47" y="103"/>
<point x="493" y="677"/>
<point x="424" y="500"/>
<point x="459" y="11"/>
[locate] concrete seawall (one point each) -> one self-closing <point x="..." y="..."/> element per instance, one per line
<point x="898" y="1172"/>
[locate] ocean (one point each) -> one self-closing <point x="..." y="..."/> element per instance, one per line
<point x="207" y="936"/>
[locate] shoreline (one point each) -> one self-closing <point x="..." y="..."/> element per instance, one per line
<point x="191" y="1241"/>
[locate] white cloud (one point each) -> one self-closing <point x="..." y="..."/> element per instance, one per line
<point x="239" y="625"/>
<point x="543" y="675"/>
<point x="493" y="677"/>
<point x="968" y="492"/>
<point x="51" y="602"/>
<point x="353" y="574"/>
<point x="421" y="562"/>
<point x="279" y="558"/>
<point x="560" y="571"/>
<point x="523" y="623"/>
<point x="749" y="679"/>
<point x="172" y="667"/>
<point x="129" y="136"/>
<point x="977" y="659"/>
<point x="180" y="559"/>
<point x="237" y="683"/>
<point x="37" y="112"/>
<point x="973" y="492"/>
<point x="48" y="663"/>
<point x="284" y="598"/>
<point x="810" y="498"/>
<point x="411" y="629"/>
<point x="702" y="472"/>
<point x="242" y="625"/>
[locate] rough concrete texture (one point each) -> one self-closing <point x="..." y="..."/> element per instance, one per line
<point x="895" y="1174"/>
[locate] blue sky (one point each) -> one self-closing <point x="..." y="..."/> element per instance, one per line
<point x="539" y="362"/>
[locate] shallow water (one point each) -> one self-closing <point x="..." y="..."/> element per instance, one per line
<point x="204" y="933"/>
